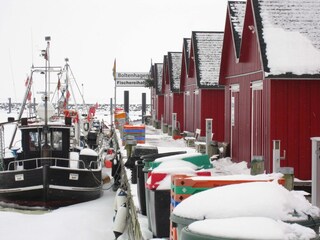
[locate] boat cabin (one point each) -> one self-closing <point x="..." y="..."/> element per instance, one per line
<point x="33" y="140"/>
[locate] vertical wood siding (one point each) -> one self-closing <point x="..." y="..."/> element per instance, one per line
<point x="295" y="117"/>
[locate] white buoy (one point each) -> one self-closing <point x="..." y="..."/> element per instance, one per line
<point x="121" y="212"/>
<point x="120" y="220"/>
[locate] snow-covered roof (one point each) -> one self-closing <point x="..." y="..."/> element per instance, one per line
<point x="289" y="34"/>
<point x="164" y="73"/>
<point x="237" y="11"/>
<point x="158" y="77"/>
<point x="186" y="49"/>
<point x="174" y="65"/>
<point x="207" y="51"/>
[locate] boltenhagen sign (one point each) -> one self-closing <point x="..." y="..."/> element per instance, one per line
<point x="131" y="79"/>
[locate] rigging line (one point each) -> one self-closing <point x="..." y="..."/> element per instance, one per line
<point x="77" y="85"/>
<point x="12" y="76"/>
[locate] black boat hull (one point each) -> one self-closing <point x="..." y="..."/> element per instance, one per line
<point x="50" y="186"/>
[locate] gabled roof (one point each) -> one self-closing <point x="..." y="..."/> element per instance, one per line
<point x="289" y="36"/>
<point x="158" y="70"/>
<point x="165" y="79"/>
<point x="151" y="73"/>
<point x="237" y="10"/>
<point x="174" y="67"/>
<point x="207" y="52"/>
<point x="186" y="49"/>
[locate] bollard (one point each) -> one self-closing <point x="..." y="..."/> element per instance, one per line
<point x="165" y="128"/>
<point x="130" y="142"/>
<point x="170" y="130"/>
<point x="257" y="165"/>
<point x="288" y="175"/>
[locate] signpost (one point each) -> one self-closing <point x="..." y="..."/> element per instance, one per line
<point x="127" y="79"/>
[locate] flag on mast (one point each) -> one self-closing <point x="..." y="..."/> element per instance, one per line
<point x="114" y="69"/>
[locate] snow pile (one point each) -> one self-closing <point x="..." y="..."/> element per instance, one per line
<point x="256" y="199"/>
<point x="251" y="228"/>
<point x="225" y="166"/>
<point x="241" y="177"/>
<point x="178" y="156"/>
<point x="173" y="167"/>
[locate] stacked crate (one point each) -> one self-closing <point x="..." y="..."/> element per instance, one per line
<point x="183" y="186"/>
<point x="137" y="131"/>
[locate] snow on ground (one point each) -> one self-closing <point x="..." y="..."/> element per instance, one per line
<point x="94" y="219"/>
<point x="90" y="220"/>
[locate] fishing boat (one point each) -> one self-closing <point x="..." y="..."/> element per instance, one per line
<point x="53" y="166"/>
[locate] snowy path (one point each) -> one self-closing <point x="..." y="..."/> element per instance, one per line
<point x="90" y="220"/>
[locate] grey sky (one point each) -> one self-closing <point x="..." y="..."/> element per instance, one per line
<point x="92" y="33"/>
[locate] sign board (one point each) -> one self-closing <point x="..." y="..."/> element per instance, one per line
<point x="132" y="75"/>
<point x="131" y="79"/>
<point x="130" y="83"/>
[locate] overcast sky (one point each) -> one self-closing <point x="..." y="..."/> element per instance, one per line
<point x="92" y="33"/>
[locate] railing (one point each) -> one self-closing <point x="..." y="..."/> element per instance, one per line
<point x="134" y="230"/>
<point x="1" y="146"/>
<point x="55" y="162"/>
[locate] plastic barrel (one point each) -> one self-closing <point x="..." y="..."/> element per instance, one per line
<point x="147" y="160"/>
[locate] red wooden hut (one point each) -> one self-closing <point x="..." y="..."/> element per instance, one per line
<point x="183" y="79"/>
<point x="174" y="94"/>
<point x="204" y="98"/>
<point x="270" y="67"/>
<point x="166" y="91"/>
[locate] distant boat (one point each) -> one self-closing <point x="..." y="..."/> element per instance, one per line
<point x="53" y="167"/>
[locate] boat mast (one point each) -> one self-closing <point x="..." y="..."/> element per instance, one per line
<point x="46" y="148"/>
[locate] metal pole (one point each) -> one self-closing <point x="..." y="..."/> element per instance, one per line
<point x="174" y="123"/>
<point x="9" y="105"/>
<point x="111" y="115"/>
<point x="144" y="106"/>
<point x="208" y="133"/>
<point x="114" y="73"/>
<point x="276" y="155"/>
<point x="315" y="192"/>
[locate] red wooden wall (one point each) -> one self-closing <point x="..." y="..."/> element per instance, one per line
<point x="159" y="106"/>
<point x="212" y="106"/>
<point x="177" y="107"/>
<point x="295" y="118"/>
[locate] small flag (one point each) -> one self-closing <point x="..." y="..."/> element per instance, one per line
<point x="114" y="69"/>
<point x="29" y="96"/>
<point x="76" y="118"/>
<point x="26" y="82"/>
<point x="59" y="85"/>
<point x="68" y="94"/>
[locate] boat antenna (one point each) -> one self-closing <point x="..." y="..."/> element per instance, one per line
<point x="32" y="48"/>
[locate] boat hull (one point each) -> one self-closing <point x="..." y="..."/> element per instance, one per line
<point x="50" y="186"/>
